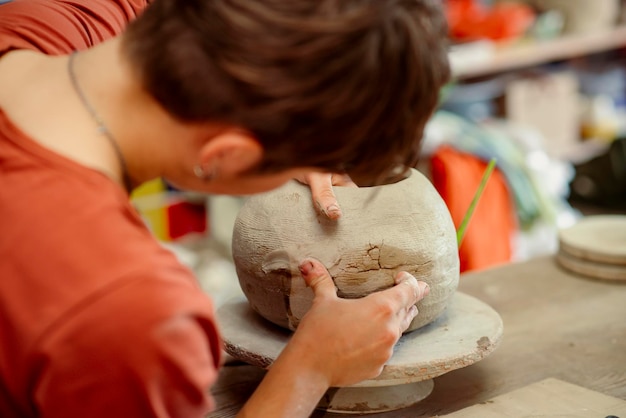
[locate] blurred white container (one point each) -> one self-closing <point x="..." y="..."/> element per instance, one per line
<point x="583" y="15"/>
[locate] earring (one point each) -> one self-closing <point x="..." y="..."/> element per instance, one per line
<point x="202" y="174"/>
<point x="198" y="171"/>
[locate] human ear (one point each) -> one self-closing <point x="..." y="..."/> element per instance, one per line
<point x="229" y="153"/>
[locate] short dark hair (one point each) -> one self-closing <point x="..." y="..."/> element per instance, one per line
<point x="341" y="85"/>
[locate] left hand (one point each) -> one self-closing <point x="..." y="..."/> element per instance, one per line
<point x="321" y="185"/>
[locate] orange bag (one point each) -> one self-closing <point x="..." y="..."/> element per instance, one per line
<point x="456" y="176"/>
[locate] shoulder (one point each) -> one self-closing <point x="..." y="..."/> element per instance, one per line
<point x="60" y="26"/>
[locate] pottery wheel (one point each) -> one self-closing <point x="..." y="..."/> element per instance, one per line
<point x="595" y="247"/>
<point x="464" y="334"/>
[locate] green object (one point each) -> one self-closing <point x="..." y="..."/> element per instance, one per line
<point x="460" y="233"/>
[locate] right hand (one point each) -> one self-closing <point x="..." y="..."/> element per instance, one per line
<point x="350" y="340"/>
<point x="321" y="185"/>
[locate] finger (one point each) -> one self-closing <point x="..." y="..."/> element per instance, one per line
<point x="406" y="317"/>
<point x="343" y="180"/>
<point x="321" y="185"/>
<point x="317" y="278"/>
<point x="408" y="290"/>
<point x="301" y="178"/>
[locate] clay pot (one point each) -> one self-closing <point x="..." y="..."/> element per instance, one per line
<point x="383" y="230"/>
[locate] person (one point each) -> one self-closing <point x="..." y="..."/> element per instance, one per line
<point x="216" y="96"/>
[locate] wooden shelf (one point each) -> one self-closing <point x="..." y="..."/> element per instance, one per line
<point x="485" y="58"/>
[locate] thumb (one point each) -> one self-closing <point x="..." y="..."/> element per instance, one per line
<point x="317" y="278"/>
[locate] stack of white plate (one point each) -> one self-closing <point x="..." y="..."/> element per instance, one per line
<point x="595" y="247"/>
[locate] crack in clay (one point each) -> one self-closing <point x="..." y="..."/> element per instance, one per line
<point x="372" y="269"/>
<point x="374" y="254"/>
<point x="353" y="269"/>
<point x="374" y="260"/>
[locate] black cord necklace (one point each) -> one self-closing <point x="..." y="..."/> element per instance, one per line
<point x="102" y="128"/>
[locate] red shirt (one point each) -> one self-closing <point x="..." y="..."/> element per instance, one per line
<point x="96" y="318"/>
<point x="59" y="27"/>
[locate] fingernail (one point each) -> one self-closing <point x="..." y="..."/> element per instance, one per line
<point x="333" y="211"/>
<point x="306" y="267"/>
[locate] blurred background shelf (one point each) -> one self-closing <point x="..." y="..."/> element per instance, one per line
<point x="485" y="58"/>
<point x="539" y="85"/>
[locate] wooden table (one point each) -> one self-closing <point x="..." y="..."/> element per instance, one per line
<point x="556" y="325"/>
